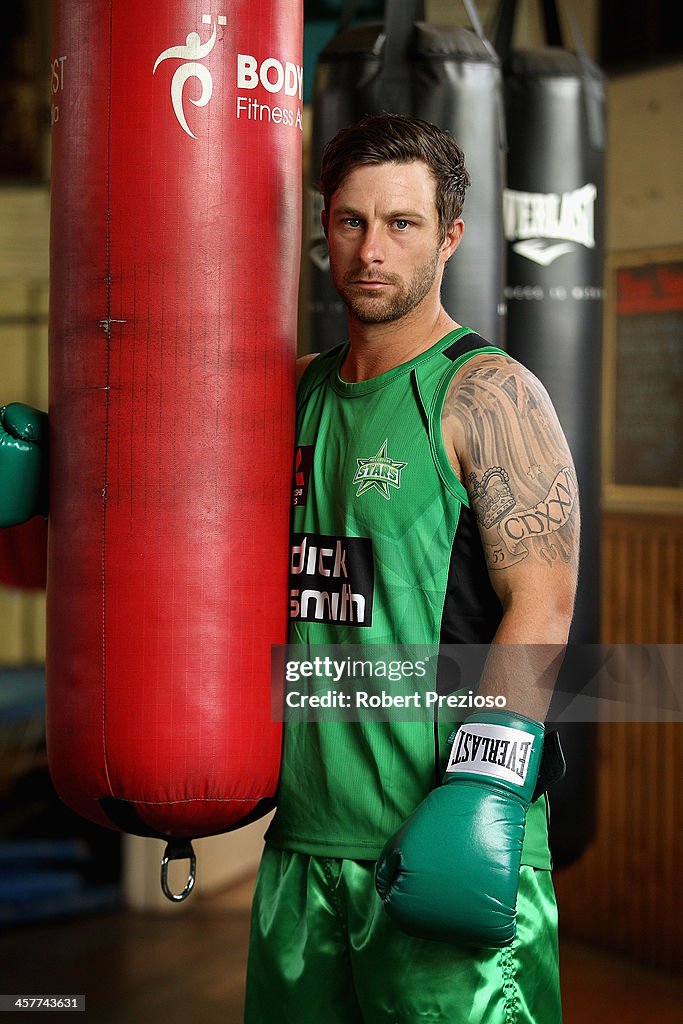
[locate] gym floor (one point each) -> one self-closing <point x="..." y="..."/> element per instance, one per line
<point x="136" y="968"/>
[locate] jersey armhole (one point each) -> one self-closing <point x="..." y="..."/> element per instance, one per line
<point x="441" y="460"/>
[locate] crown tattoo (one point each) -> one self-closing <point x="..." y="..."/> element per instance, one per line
<point x="492" y="496"/>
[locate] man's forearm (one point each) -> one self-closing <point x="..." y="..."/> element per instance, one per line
<point x="524" y="661"/>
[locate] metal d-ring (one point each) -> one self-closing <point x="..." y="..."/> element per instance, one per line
<point x="178" y="850"/>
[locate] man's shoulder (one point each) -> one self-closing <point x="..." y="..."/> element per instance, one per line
<point x="494" y="397"/>
<point x="312" y="369"/>
<point x="302" y="364"/>
<point x="486" y="373"/>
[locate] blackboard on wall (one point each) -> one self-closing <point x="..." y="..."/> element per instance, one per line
<point x="645" y="378"/>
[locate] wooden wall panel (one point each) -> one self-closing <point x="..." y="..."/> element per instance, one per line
<point x="642" y="568"/>
<point x="625" y="893"/>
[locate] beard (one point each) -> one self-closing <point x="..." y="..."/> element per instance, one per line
<point x="384" y="308"/>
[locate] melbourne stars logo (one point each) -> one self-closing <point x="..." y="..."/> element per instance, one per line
<point x="380" y="472"/>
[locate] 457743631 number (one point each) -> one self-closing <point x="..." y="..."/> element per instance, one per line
<point x="42" y="1002"/>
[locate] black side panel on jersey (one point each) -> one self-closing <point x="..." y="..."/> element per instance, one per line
<point x="471" y="611"/>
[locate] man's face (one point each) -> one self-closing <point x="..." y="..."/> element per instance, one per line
<point x="383" y="236"/>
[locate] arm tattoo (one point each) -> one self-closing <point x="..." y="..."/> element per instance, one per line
<point x="519" y="472"/>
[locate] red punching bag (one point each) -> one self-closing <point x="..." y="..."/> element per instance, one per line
<point x="174" y="272"/>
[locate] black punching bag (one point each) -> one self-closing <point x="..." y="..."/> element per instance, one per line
<point x="457" y="85"/>
<point x="553" y="215"/>
<point x="451" y="77"/>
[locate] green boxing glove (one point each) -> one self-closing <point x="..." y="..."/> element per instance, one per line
<point x="23" y="463"/>
<point x="451" y="872"/>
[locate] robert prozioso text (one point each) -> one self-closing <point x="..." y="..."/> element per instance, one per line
<point x="428" y="699"/>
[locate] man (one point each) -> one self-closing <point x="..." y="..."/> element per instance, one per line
<point x="406" y="874"/>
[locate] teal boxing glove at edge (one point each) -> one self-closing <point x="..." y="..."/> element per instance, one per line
<point x="23" y="463"/>
<point x="451" y="872"/>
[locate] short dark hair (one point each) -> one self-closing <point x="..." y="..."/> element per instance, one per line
<point x="393" y="138"/>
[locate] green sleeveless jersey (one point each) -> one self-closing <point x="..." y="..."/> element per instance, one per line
<point x="385" y="550"/>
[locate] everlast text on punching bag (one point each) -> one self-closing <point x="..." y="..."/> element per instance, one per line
<point x="174" y="266"/>
<point x="553" y="214"/>
<point x="451" y="77"/>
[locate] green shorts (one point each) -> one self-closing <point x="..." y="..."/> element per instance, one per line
<point x="323" y="949"/>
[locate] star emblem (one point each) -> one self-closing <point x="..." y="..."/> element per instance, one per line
<point x="379" y="472"/>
